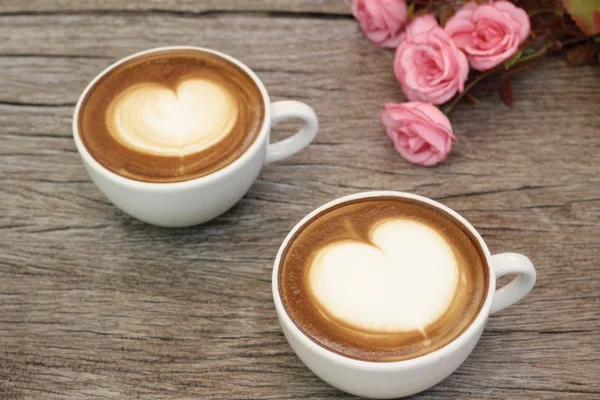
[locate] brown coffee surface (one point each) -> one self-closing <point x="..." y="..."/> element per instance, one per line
<point x="353" y="221"/>
<point x="109" y="109"/>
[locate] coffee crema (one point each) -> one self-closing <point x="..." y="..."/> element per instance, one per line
<point x="383" y="278"/>
<point x="171" y="116"/>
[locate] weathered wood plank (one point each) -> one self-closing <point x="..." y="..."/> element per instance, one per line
<point x="314" y="7"/>
<point x="94" y="304"/>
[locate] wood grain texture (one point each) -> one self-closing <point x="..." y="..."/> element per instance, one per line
<point x="315" y="7"/>
<point x="94" y="304"/>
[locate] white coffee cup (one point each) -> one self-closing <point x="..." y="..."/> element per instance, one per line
<point x="384" y="380"/>
<point x="198" y="200"/>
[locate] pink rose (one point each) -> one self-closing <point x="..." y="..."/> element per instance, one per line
<point x="428" y="64"/>
<point x="489" y="33"/>
<point x="382" y="21"/>
<point x="421" y="133"/>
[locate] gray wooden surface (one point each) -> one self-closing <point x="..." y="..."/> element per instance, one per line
<point x="94" y="304"/>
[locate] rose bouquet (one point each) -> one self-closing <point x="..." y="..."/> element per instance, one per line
<point x="444" y="48"/>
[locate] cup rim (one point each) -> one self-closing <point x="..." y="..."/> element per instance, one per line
<point x="460" y="341"/>
<point x="250" y="152"/>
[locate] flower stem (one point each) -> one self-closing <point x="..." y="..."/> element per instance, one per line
<point x="448" y="109"/>
<point x="544" y="50"/>
<point x="542" y="11"/>
<point x="541" y="52"/>
<point x="576" y="41"/>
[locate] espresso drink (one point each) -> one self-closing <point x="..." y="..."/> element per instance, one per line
<point x="383" y="279"/>
<point x="171" y="116"/>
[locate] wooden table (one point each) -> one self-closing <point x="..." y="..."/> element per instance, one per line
<point x="94" y="304"/>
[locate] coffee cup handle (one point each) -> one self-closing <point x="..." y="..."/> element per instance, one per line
<point x="512" y="263"/>
<point x="281" y="110"/>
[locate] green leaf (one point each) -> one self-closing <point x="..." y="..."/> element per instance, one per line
<point x="528" y="52"/>
<point x="582" y="54"/>
<point x="445" y="15"/>
<point x="513" y="60"/>
<point x="585" y="13"/>
<point x="410" y="12"/>
<point x="422" y="12"/>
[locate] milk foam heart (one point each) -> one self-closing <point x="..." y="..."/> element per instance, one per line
<point x="403" y="281"/>
<point x="154" y="119"/>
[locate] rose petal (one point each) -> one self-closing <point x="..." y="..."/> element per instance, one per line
<point x="428" y="64"/>
<point x="460" y="30"/>
<point x="499" y="28"/>
<point x="433" y="114"/>
<point x="517" y="14"/>
<point x="429" y="133"/>
<point x="422" y="24"/>
<point x="415" y="158"/>
<point x="382" y="21"/>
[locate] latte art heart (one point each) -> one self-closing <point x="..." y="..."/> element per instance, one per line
<point x="383" y="278"/>
<point x="404" y="281"/>
<point x="171" y="115"/>
<point x="154" y="119"/>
